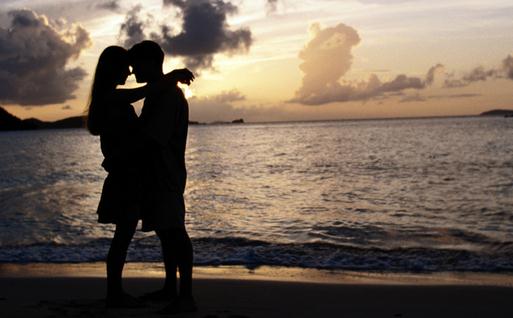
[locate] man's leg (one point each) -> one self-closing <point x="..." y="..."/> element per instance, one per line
<point x="185" y="261"/>
<point x="169" y="256"/>
<point x="177" y="253"/>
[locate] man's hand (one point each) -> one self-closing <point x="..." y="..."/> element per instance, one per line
<point x="170" y="80"/>
<point x="183" y="76"/>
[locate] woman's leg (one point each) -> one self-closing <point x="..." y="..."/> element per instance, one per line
<point x="117" y="256"/>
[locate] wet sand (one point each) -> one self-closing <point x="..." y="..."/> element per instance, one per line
<point x="77" y="290"/>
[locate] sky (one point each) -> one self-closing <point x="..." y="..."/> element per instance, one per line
<point x="269" y="60"/>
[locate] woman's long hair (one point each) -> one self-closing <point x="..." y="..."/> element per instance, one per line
<point x="112" y="62"/>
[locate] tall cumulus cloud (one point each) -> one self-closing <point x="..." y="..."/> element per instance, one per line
<point x="33" y="57"/>
<point x="328" y="57"/>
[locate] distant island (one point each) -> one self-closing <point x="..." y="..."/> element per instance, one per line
<point x="11" y="122"/>
<point x="498" y="112"/>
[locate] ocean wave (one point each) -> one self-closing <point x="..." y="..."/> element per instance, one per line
<point x="254" y="253"/>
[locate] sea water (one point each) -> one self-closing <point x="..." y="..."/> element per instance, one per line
<point x="386" y="195"/>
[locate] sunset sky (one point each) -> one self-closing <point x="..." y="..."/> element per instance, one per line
<point x="269" y="60"/>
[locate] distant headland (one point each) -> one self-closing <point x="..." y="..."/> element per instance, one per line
<point x="498" y="112"/>
<point x="11" y="122"/>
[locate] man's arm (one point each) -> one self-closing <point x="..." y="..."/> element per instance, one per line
<point x="168" y="81"/>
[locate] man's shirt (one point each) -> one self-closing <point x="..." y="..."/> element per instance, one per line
<point x="164" y="121"/>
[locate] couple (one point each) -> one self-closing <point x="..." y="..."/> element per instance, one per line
<point x="145" y="161"/>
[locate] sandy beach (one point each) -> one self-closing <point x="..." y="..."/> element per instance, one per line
<point x="77" y="290"/>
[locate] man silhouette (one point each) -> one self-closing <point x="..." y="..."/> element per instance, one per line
<point x="164" y="123"/>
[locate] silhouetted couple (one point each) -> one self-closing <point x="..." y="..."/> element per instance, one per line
<point x="145" y="161"/>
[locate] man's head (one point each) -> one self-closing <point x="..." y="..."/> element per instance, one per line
<point x="146" y="59"/>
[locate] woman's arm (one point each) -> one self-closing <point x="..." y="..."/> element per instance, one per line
<point x="130" y="95"/>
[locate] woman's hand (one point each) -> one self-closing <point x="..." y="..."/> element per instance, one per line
<point x="183" y="76"/>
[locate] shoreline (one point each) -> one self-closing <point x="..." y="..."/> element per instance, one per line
<point x="155" y="270"/>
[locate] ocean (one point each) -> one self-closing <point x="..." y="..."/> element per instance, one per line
<point x="401" y="195"/>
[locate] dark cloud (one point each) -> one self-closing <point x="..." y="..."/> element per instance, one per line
<point x="132" y="29"/>
<point x="33" y="56"/>
<point x="112" y="5"/>
<point x="328" y="57"/>
<point x="204" y="33"/>
<point x="67" y="107"/>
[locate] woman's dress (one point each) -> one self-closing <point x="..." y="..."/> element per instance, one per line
<point x="121" y="194"/>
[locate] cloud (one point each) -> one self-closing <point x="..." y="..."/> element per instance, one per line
<point x="413" y="98"/>
<point x="67" y="107"/>
<point x="433" y="72"/>
<point x="204" y="33"/>
<point x="478" y="74"/>
<point x="132" y="29"/>
<point x="481" y="74"/>
<point x="112" y="5"/>
<point x="451" y="81"/>
<point x="217" y="107"/>
<point x="271" y="6"/>
<point x="418" y="98"/>
<point x="507" y="67"/>
<point x="328" y="57"/>
<point x="33" y="56"/>
<point x="223" y="107"/>
<point x="227" y="97"/>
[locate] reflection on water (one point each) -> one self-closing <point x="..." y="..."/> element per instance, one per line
<point x="383" y="183"/>
<point x="391" y="184"/>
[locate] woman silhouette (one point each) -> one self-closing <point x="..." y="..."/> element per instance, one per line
<point x="111" y="116"/>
